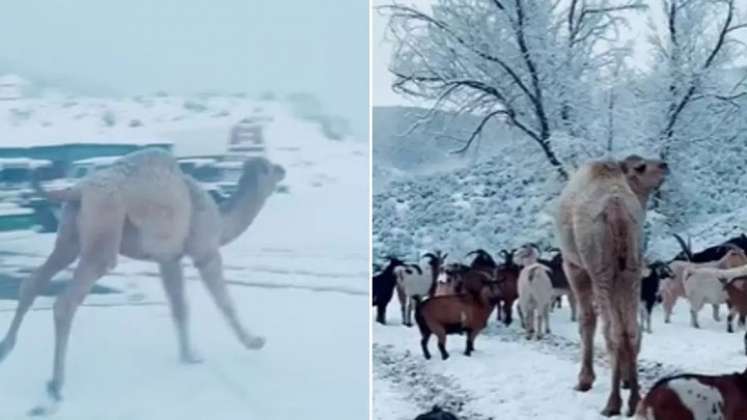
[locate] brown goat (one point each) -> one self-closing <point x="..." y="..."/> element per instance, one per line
<point x="600" y="220"/>
<point x="689" y="396"/>
<point x="736" y="290"/>
<point x="455" y="314"/>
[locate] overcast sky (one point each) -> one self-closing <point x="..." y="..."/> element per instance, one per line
<point x="187" y="46"/>
<point x="382" y="94"/>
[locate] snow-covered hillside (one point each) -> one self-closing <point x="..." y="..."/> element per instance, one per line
<point x="301" y="264"/>
<point x="507" y="197"/>
<point x="195" y="124"/>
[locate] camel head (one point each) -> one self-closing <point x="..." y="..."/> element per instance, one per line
<point x="264" y="174"/>
<point x="258" y="181"/>
<point x="644" y="175"/>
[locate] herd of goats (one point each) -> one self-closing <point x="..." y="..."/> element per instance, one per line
<point x="458" y="298"/>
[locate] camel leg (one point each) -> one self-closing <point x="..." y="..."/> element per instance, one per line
<point x="62" y="256"/>
<point x="716" y="312"/>
<point x="614" y="401"/>
<point x="581" y="284"/>
<point x="547" y="319"/>
<point x="100" y="238"/>
<point x="66" y="250"/>
<point x="572" y="304"/>
<point x="172" y="277"/>
<point x="211" y="273"/>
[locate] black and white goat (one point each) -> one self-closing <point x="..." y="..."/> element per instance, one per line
<point x="382" y="288"/>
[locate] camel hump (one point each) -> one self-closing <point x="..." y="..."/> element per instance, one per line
<point x="605" y="169"/>
<point x="618" y="222"/>
<point x="67" y="194"/>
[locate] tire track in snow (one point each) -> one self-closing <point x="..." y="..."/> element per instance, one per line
<point x="411" y="376"/>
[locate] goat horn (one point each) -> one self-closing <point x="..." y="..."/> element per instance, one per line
<point x="685" y="248"/>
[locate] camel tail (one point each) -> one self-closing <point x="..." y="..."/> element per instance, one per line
<point x="619" y="233"/>
<point x="66" y="194"/>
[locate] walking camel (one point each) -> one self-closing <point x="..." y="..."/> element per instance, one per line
<point x="600" y="220"/>
<point x="145" y="208"/>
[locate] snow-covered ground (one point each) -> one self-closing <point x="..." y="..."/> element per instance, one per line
<point x="512" y="378"/>
<point x="298" y="276"/>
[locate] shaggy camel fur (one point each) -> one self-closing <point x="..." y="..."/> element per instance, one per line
<point x="144" y="207"/>
<point x="600" y="219"/>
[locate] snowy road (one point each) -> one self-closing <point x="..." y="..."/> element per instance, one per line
<point x="510" y="377"/>
<point x="298" y="277"/>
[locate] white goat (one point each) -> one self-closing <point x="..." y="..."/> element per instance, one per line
<point x="414" y="283"/>
<point x="535" y="294"/>
<point x="673" y="287"/>
<point x="703" y="285"/>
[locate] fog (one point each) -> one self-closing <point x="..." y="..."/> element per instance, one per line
<point x="192" y="46"/>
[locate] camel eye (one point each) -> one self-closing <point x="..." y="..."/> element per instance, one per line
<point x="640" y="168"/>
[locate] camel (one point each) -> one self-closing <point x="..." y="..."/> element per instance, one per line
<point x="145" y="208"/>
<point x="599" y="221"/>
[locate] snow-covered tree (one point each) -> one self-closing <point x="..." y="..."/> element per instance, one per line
<point x="535" y="64"/>
<point x="695" y="98"/>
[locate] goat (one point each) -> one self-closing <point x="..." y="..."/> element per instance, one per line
<point x="436" y="413"/>
<point x="673" y="287"/>
<point x="507" y="276"/>
<point x="413" y="283"/>
<point x="702" y="285"/>
<point x="482" y="261"/>
<point x="711" y="253"/>
<point x="691" y="396"/>
<point x="651" y="278"/>
<point x="435" y="262"/>
<point x="736" y="290"/>
<point x="382" y="288"/>
<point x="559" y="282"/>
<point x="535" y="295"/>
<point x="452" y="314"/>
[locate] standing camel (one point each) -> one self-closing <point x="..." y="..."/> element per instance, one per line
<point x="143" y="207"/>
<point x="600" y="220"/>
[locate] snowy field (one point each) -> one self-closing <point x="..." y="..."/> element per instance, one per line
<point x="509" y="377"/>
<point x="300" y="266"/>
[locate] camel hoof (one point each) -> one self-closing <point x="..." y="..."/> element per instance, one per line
<point x="191" y="359"/>
<point x="255" y="343"/>
<point x="583" y="387"/>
